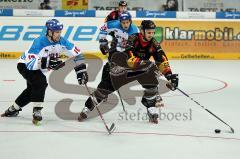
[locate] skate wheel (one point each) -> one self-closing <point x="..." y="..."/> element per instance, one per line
<point x="3" y="115"/>
<point x="158" y="105"/>
<point x="36" y="122"/>
<point x="153" y="121"/>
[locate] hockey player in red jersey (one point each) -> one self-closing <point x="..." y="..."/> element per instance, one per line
<point x="114" y="15"/>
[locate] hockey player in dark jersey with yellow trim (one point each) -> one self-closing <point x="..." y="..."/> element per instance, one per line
<point x="135" y="64"/>
<point x="141" y="47"/>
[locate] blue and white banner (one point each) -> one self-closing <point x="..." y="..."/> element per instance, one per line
<point x="75" y="13"/>
<point x="155" y="14"/>
<point x="6" y="12"/>
<point x="103" y="14"/>
<point x="228" y="15"/>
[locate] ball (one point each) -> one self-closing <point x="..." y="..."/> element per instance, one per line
<point x="217" y="131"/>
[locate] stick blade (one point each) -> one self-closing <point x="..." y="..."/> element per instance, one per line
<point x="232" y="130"/>
<point x="111" y="129"/>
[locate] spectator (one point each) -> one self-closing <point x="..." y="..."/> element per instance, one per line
<point x="171" y="5"/>
<point x="45" y="5"/>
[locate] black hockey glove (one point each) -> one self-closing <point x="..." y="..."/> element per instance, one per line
<point x="104" y="46"/>
<point x="81" y="72"/>
<point x="114" y="42"/>
<point x="173" y="79"/>
<point x="53" y="62"/>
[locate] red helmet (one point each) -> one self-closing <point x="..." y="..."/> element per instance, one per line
<point x="122" y="3"/>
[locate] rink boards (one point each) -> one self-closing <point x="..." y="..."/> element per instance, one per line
<point x="180" y="38"/>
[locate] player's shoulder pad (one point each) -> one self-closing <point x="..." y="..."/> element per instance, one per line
<point x="113" y="13"/>
<point x="113" y="24"/>
<point x="40" y="40"/>
<point x="111" y="16"/>
<point x="66" y="43"/>
<point x="38" y="43"/>
<point x="133" y="29"/>
<point x="156" y="44"/>
<point x="132" y="38"/>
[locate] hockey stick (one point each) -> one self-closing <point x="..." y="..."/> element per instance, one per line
<point x="232" y="130"/>
<point x="123" y="106"/>
<point x="112" y="127"/>
<point x="171" y="88"/>
<point x="118" y="92"/>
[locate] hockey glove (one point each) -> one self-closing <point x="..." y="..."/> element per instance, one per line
<point x="104" y="46"/>
<point x="173" y="79"/>
<point x="81" y="72"/>
<point x="53" y="62"/>
<point x="135" y="62"/>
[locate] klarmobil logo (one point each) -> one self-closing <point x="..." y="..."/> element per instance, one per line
<point x="159" y="34"/>
<point x="225" y="34"/>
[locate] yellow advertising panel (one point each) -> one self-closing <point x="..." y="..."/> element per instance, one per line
<point x="180" y="39"/>
<point x="74" y="4"/>
<point x="199" y="39"/>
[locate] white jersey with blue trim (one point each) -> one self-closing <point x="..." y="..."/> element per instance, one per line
<point x="42" y="47"/>
<point x="121" y="34"/>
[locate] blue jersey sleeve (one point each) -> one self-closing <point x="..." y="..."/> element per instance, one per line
<point x="71" y="49"/>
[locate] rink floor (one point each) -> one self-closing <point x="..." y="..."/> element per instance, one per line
<point x="187" y="132"/>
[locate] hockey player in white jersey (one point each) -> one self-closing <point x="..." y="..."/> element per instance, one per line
<point x="119" y="30"/>
<point x="43" y="55"/>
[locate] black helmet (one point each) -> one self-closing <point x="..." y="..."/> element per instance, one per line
<point x="147" y="24"/>
<point x="122" y="3"/>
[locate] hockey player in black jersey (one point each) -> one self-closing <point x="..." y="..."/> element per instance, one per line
<point x="135" y="64"/>
<point x="141" y="47"/>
